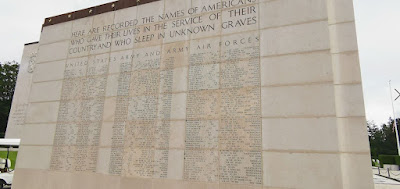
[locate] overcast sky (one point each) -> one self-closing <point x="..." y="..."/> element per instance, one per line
<point x="377" y="21"/>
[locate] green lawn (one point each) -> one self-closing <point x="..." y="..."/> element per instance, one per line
<point x="12" y="157"/>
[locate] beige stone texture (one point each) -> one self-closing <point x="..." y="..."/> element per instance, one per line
<point x="107" y="182"/>
<point x="349" y="100"/>
<point x="56" y="33"/>
<point x="175" y="55"/>
<point x="205" y="51"/>
<point x="356" y="171"/>
<point x="38" y="134"/>
<point x="174" y="80"/>
<point x="106" y="134"/>
<point x="177" y="136"/>
<point x="269" y="98"/>
<point x="53" y="52"/>
<point x="302" y="170"/>
<point x="340" y="11"/>
<point x="121" y="61"/>
<point x="109" y="109"/>
<point x="172" y="106"/>
<point x="294" y="69"/>
<point x="103" y="161"/>
<point x="240" y="19"/>
<point x="241" y="46"/>
<point x="204" y="77"/>
<point x="205" y="3"/>
<point x="112" y="85"/>
<point x="49" y="71"/>
<point x="148" y="36"/>
<point x="175" y="163"/>
<point x="150" y="9"/>
<point x="30" y="178"/>
<point x="295" y="39"/>
<point x="177" y="5"/>
<point x="34" y="157"/>
<point x="45" y="112"/>
<point x="128" y="14"/>
<point x="83" y="24"/>
<point x="317" y="134"/>
<point x="298" y="101"/>
<point x="168" y="184"/>
<point x="148" y="57"/>
<point x="128" y="182"/>
<point x="199" y="185"/>
<point x="20" y="99"/>
<point x="46" y="91"/>
<point x="237" y="186"/>
<point x="203" y="105"/>
<point x="101" y="20"/>
<point x="211" y="24"/>
<point x="288" y="12"/>
<point x="346" y="68"/>
<point x="352" y="135"/>
<point x="59" y="180"/>
<point x="84" y="180"/>
<point x="343" y="37"/>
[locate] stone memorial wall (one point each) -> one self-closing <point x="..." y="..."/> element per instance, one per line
<point x="196" y="94"/>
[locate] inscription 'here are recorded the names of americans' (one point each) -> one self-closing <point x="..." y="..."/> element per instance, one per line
<point x="175" y="95"/>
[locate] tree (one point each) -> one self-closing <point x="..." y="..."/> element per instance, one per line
<point x="382" y="139"/>
<point x="8" y="79"/>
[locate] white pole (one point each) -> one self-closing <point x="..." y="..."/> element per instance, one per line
<point x="394" y="117"/>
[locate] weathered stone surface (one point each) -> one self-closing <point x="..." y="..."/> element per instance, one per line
<point x="201" y="94"/>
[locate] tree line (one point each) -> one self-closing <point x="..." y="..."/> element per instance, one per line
<point x="8" y="79"/>
<point x="382" y="139"/>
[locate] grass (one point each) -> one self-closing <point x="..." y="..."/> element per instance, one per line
<point x="12" y="157"/>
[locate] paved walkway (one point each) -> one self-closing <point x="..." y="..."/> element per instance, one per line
<point x="384" y="183"/>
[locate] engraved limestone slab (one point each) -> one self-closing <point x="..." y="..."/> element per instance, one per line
<point x="202" y="94"/>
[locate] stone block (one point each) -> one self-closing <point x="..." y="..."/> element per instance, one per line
<point x="38" y="134"/>
<point x="302" y="170"/>
<point x="52" y="52"/>
<point x="30" y="178"/>
<point x="346" y="68"/>
<point x="34" y="157"/>
<point x="356" y="171"/>
<point x="46" y="112"/>
<point x="343" y="37"/>
<point x="340" y="11"/>
<point x="56" y="33"/>
<point x="127" y="183"/>
<point x="59" y="180"/>
<point x="300" y="134"/>
<point x="349" y="101"/>
<point x="103" y="161"/>
<point x="352" y="135"/>
<point x="289" y="12"/>
<point x="49" y="71"/>
<point x="46" y="91"/>
<point x="295" y="39"/>
<point x="298" y="101"/>
<point x="295" y="69"/>
<point x="109" y="109"/>
<point x="106" y="134"/>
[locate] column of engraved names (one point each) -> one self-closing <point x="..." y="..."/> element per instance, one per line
<point x="80" y="113"/>
<point x="240" y="140"/>
<point x="171" y="111"/>
<point x="203" y="101"/>
<point x="124" y="63"/>
<point x="139" y="149"/>
<point x="69" y="115"/>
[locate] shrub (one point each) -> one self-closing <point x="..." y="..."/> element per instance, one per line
<point x="388" y="159"/>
